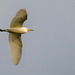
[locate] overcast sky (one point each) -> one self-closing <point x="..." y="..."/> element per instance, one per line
<point x="50" y="49"/>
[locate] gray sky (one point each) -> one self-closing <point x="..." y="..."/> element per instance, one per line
<point x="50" y="49"/>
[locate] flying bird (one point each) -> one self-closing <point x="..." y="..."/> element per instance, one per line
<point x="15" y="31"/>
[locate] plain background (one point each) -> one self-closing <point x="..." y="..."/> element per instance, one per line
<point x="50" y="49"/>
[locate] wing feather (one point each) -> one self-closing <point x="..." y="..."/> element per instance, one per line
<point x="19" y="19"/>
<point x="15" y="44"/>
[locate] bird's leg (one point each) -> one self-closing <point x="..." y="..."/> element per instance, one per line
<point x="2" y="30"/>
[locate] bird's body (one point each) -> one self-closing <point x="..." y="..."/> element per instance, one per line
<point x="20" y="30"/>
<point x="15" y="32"/>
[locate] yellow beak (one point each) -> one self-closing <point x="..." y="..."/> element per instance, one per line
<point x="30" y="30"/>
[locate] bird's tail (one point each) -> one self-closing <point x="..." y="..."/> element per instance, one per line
<point x="2" y="30"/>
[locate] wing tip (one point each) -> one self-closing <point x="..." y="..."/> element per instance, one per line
<point x="15" y="63"/>
<point x="24" y="9"/>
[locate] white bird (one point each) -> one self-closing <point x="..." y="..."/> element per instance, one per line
<point x="15" y="31"/>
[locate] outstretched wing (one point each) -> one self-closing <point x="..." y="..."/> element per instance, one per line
<point x="19" y="19"/>
<point x="15" y="44"/>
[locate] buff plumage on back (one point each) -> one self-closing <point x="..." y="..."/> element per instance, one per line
<point x="15" y="42"/>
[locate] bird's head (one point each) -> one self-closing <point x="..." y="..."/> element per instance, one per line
<point x="26" y="29"/>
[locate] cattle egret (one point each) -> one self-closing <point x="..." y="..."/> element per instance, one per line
<point x="15" y="31"/>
